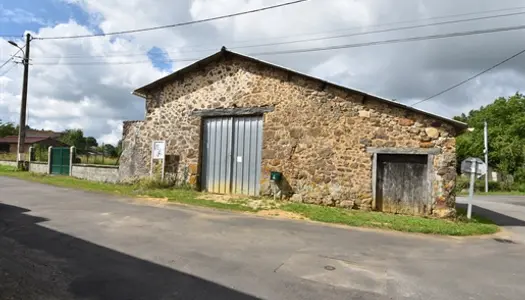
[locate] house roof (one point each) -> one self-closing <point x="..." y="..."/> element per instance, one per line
<point x="13" y="139"/>
<point x="143" y="91"/>
<point x="42" y="133"/>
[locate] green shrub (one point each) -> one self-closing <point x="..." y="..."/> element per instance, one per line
<point x="154" y="183"/>
<point x="463" y="184"/>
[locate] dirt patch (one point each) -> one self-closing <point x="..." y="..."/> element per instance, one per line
<point x="277" y="213"/>
<point x="151" y="201"/>
<point x="221" y="198"/>
<point x="253" y="203"/>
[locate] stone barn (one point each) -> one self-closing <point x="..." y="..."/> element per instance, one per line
<point x="231" y="122"/>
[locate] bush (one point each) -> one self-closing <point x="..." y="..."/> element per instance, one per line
<point x="463" y="184"/>
<point x="154" y="183"/>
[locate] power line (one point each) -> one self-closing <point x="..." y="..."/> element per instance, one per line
<point x="8" y="70"/>
<point x="173" y="25"/>
<point x="372" y="26"/>
<point x="337" y="47"/>
<point x="470" y="78"/>
<point x="318" y="39"/>
<point x="11" y="58"/>
<point x="401" y="40"/>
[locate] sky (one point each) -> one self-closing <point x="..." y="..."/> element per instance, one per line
<point x="87" y="83"/>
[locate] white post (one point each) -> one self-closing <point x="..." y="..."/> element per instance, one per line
<point x="163" y="169"/>
<point x="71" y="156"/>
<point x="486" y="143"/>
<point x="31" y="149"/>
<point x="471" y="188"/>
<point x="49" y="151"/>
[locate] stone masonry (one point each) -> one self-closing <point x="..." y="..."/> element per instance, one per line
<point x="317" y="134"/>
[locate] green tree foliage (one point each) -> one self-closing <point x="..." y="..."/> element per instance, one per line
<point x="109" y="150"/>
<point x="75" y="137"/>
<point x="7" y="129"/>
<point x="506" y="119"/>
<point x="91" y="142"/>
<point x="119" y="147"/>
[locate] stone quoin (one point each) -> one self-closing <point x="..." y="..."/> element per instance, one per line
<point x="317" y="134"/>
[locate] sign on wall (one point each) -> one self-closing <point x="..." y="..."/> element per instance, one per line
<point x="159" y="149"/>
<point x="158" y="152"/>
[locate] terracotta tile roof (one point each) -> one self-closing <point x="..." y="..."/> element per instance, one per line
<point x="13" y="139"/>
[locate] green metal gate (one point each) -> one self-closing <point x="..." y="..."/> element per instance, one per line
<point x="60" y="161"/>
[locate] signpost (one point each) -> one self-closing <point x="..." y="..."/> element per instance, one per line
<point x="158" y="152"/>
<point x="476" y="167"/>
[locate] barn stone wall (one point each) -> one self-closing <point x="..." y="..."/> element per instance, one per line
<point x="317" y="135"/>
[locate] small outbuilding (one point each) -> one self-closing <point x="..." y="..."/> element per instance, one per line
<point x="231" y="122"/>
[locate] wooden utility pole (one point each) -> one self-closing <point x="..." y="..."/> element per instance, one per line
<point x="23" y="107"/>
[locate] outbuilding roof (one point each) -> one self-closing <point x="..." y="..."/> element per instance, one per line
<point x="13" y="139"/>
<point x="143" y="91"/>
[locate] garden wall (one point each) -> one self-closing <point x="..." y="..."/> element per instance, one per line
<point x="39" y="167"/>
<point x="96" y="173"/>
<point x="9" y="163"/>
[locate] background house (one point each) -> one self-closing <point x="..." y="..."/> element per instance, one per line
<point x="231" y="121"/>
<point x="43" y="138"/>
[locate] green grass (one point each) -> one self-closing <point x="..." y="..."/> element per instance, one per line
<point x="496" y="193"/>
<point x="184" y="196"/>
<point x="459" y="227"/>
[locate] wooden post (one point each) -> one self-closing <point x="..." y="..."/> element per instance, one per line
<point x="374" y="182"/>
<point x="49" y="156"/>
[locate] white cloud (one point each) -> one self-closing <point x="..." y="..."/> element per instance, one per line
<point x="97" y="98"/>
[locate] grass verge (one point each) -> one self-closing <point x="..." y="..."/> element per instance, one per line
<point x="184" y="196"/>
<point x="500" y="193"/>
<point x="459" y="227"/>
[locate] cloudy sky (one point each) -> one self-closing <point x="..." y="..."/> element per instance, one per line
<point x="87" y="83"/>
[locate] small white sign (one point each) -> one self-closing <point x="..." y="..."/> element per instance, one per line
<point x="159" y="149"/>
<point x="239" y="159"/>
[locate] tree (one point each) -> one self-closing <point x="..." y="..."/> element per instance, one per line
<point x="7" y="129"/>
<point x="74" y="137"/>
<point x="110" y="150"/>
<point x="119" y="147"/>
<point x="91" y="142"/>
<point x="506" y="119"/>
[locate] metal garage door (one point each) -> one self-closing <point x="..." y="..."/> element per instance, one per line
<point x="402" y="183"/>
<point x="232" y="150"/>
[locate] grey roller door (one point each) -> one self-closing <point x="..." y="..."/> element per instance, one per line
<point x="232" y="155"/>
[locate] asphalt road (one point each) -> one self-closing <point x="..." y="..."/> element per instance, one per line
<point x="506" y="211"/>
<point x="64" y="244"/>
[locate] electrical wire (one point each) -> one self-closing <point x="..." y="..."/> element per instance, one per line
<point x="309" y="40"/>
<point x="470" y="78"/>
<point x="306" y="50"/>
<point x="8" y="70"/>
<point x="11" y="58"/>
<point x="173" y="25"/>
